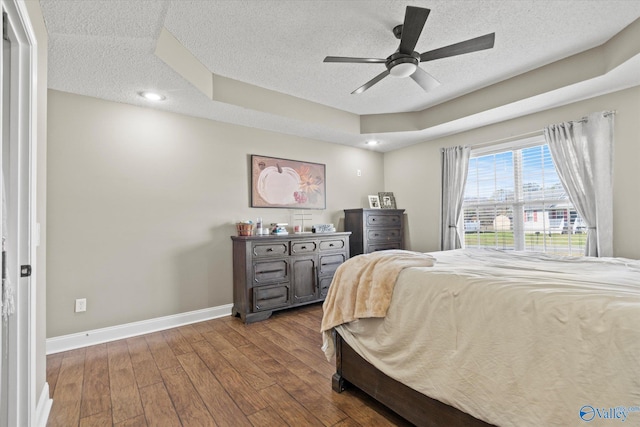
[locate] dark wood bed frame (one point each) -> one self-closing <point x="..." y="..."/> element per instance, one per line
<point x="414" y="406"/>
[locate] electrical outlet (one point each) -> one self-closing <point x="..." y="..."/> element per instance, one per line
<point x="358" y="172"/>
<point x="81" y="305"/>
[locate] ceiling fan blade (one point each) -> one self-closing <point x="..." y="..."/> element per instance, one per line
<point x="425" y="80"/>
<point x="370" y="83"/>
<point x="468" y="46"/>
<point x="354" y="60"/>
<point x="414" y="20"/>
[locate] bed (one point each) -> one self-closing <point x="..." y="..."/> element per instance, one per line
<point x="485" y="337"/>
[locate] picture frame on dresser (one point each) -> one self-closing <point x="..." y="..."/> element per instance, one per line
<point x="387" y="200"/>
<point x="374" y="201"/>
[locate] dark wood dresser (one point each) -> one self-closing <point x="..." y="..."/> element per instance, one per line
<point x="374" y="229"/>
<point x="276" y="272"/>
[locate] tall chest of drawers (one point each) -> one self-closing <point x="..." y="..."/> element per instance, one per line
<point x="276" y="272"/>
<point x="374" y="229"/>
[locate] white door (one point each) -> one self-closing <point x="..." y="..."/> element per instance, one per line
<point x="17" y="364"/>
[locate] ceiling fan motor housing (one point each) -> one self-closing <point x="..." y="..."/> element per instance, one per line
<point x="402" y="65"/>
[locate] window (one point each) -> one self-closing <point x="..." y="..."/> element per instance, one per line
<point x="514" y="200"/>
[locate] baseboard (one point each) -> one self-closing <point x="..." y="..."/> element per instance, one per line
<point x="43" y="407"/>
<point x="99" y="336"/>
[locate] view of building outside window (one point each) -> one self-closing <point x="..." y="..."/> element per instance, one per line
<point x="514" y="200"/>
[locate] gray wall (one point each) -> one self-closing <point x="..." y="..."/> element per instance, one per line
<point x="141" y="204"/>
<point x="413" y="173"/>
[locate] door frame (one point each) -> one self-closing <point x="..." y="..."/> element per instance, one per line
<point x="21" y="330"/>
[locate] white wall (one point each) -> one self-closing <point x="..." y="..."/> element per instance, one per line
<point x="142" y="204"/>
<point x="414" y="173"/>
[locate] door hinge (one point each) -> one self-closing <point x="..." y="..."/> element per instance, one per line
<point x="25" y="270"/>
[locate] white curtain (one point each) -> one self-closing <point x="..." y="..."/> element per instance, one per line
<point x="583" y="154"/>
<point x="455" y="164"/>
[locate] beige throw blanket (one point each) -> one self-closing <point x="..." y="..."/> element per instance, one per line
<point x="362" y="288"/>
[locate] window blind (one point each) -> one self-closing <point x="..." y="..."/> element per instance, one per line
<point x="514" y="200"/>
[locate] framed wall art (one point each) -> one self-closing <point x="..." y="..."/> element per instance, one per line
<point x="387" y="201"/>
<point x="284" y="183"/>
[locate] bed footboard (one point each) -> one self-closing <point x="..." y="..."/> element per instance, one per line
<point x="414" y="406"/>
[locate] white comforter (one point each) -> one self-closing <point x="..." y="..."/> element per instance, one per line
<point x="515" y="339"/>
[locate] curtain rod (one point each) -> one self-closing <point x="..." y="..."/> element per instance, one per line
<point x="531" y="134"/>
<point x="585" y="118"/>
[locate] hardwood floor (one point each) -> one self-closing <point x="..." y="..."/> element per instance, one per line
<point x="215" y="373"/>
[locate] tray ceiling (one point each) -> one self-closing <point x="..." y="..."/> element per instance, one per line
<point x="274" y="50"/>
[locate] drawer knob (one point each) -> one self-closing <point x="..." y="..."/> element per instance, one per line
<point x="330" y="245"/>
<point x="269" y="249"/>
<point x="303" y="247"/>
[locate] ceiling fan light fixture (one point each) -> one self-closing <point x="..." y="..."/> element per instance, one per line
<point x="403" y="70"/>
<point x="401" y="65"/>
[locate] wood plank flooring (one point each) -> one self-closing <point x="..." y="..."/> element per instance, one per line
<point x="215" y="373"/>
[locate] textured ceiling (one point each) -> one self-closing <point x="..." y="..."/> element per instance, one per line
<point x="105" y="49"/>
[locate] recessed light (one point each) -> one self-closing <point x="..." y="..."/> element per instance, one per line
<point x="372" y="142"/>
<point x="152" y="96"/>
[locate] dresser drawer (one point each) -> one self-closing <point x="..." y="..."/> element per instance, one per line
<point x="330" y="263"/>
<point x="298" y="248"/>
<point x="270" y="297"/>
<point x="384" y="220"/>
<point x="331" y="245"/>
<point x="270" y="249"/>
<point x="270" y="271"/>
<point x="383" y="246"/>
<point x="324" y="286"/>
<point x="383" y="235"/>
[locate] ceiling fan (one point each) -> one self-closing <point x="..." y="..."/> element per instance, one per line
<point x="404" y="62"/>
